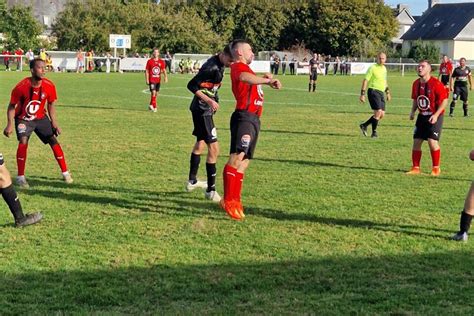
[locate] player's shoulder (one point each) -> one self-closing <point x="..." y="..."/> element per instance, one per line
<point x="25" y="82"/>
<point x="48" y="83"/>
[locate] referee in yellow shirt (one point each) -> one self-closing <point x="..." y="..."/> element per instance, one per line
<point x="376" y="80"/>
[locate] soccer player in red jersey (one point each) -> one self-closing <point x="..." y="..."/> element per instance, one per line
<point x="467" y="213"/>
<point x="244" y="124"/>
<point x="430" y="98"/>
<point x="445" y="71"/>
<point x="154" y="68"/>
<point x="32" y="109"/>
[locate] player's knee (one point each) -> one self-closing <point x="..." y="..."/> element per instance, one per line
<point x="23" y="140"/>
<point x="52" y="141"/>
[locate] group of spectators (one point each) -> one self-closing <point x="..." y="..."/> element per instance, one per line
<point x="87" y="61"/>
<point x="334" y="65"/>
<point x="188" y="66"/>
<point x="18" y="57"/>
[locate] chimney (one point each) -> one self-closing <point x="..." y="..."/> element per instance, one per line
<point x="400" y="7"/>
<point x="432" y="3"/>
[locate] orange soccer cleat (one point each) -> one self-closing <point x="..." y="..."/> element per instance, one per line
<point x="414" y="170"/>
<point x="231" y="208"/>
<point x="435" y="172"/>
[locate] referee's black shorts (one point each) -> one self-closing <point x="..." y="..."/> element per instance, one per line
<point x="376" y="99"/>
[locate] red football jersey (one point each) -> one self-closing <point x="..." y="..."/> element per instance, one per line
<point x="249" y="97"/>
<point x="429" y="95"/>
<point x="446" y="68"/>
<point x="155" y="67"/>
<point x="30" y="102"/>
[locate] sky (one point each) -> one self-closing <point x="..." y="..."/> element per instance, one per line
<point x="416" y="7"/>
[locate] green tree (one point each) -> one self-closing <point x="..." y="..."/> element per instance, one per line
<point x="424" y="50"/>
<point x="20" y="27"/>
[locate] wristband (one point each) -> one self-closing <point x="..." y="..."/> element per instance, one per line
<point x="362" y="92"/>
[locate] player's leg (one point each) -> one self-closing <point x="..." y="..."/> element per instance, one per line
<point x="416" y="156"/>
<point x="433" y="142"/>
<point x="311" y="81"/>
<point x="44" y="130"/>
<point x="152" y="106"/>
<point x="465" y="97"/>
<point x="194" y="161"/>
<point x="11" y="198"/>
<point x="315" y="79"/>
<point x="466" y="216"/>
<point x="23" y="131"/>
<point x="211" y="170"/>
<point x="453" y="102"/>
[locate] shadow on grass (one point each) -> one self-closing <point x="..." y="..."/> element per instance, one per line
<point x="105" y="108"/>
<point x="176" y="203"/>
<point x="350" y="223"/>
<point x="430" y="284"/>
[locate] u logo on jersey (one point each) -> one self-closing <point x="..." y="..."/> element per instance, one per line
<point x="156" y="71"/>
<point x="423" y="103"/>
<point x="31" y="108"/>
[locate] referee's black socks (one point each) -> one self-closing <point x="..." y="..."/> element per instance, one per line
<point x="309" y="87"/>
<point x="13" y="202"/>
<point x="465" y="222"/>
<point x="464" y="107"/>
<point x="375" y="123"/>
<point x="369" y="121"/>
<point x="314" y="87"/>
<point x="194" y="167"/>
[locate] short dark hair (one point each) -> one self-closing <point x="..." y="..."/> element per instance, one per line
<point x="232" y="45"/>
<point x="34" y="61"/>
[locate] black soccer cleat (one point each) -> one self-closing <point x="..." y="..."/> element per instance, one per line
<point x="374" y="134"/>
<point x="363" y="129"/>
<point x="29" y="219"/>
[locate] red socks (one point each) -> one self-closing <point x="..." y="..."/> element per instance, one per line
<point x="21" y="158"/>
<point x="436" y="157"/>
<point x="229" y="175"/>
<point x="233" y="181"/>
<point x="416" y="158"/>
<point x="59" y="155"/>
<point x="153" y="101"/>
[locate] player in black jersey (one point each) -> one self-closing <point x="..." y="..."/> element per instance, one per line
<point x="313" y="72"/>
<point x="204" y="86"/>
<point x="458" y="84"/>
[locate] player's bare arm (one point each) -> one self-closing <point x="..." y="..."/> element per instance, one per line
<point x="147" y="77"/>
<point x="363" y="89"/>
<point x="52" y="117"/>
<point x="469" y="78"/>
<point x="388" y="94"/>
<point x="10" y="116"/>
<point x="212" y="103"/>
<point x="165" y="75"/>
<point x="249" y="78"/>
<point x="413" y="110"/>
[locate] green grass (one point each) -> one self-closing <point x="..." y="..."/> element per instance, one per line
<point x="333" y="225"/>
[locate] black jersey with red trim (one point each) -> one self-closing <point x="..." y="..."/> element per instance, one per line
<point x="460" y="76"/>
<point x="208" y="81"/>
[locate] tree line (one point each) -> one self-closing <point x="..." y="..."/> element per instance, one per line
<point x="336" y="27"/>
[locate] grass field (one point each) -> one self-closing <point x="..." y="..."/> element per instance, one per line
<point x="333" y="225"/>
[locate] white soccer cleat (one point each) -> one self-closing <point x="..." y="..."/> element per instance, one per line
<point x="213" y="196"/>
<point x="21" y="182"/>
<point x="67" y="177"/>
<point x="199" y="184"/>
<point x="152" y="108"/>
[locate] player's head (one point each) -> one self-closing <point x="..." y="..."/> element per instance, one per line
<point x="242" y="51"/>
<point x="315" y="55"/>
<point x="226" y="55"/>
<point x="462" y="61"/>
<point x="156" y="52"/>
<point x="37" y="68"/>
<point x="445" y="58"/>
<point x="381" y="58"/>
<point x="424" y="68"/>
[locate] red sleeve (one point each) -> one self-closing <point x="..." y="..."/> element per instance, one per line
<point x="147" y="67"/>
<point x="163" y="65"/>
<point x="15" y="97"/>
<point x="413" y="90"/>
<point x="52" y="94"/>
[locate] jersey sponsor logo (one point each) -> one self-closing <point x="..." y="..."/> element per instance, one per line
<point x="260" y="94"/>
<point x="156" y="71"/>
<point x="31" y="109"/>
<point x="423" y="103"/>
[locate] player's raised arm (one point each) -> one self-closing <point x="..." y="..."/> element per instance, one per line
<point x="249" y="78"/>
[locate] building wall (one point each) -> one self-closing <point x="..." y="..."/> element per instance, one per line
<point x="45" y="11"/>
<point x="446" y="47"/>
<point x="464" y="49"/>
